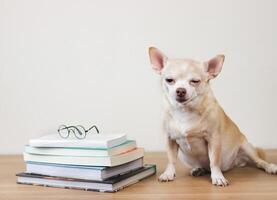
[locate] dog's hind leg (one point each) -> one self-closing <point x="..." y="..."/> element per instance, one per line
<point x="199" y="165"/>
<point x="257" y="158"/>
<point x="199" y="171"/>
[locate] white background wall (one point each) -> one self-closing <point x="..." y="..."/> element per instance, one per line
<point x="72" y="62"/>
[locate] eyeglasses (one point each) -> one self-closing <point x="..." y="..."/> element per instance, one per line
<point x="78" y="131"/>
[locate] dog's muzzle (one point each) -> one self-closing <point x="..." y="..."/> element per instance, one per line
<point x="181" y="95"/>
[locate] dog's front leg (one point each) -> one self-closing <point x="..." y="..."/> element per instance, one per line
<point x="172" y="150"/>
<point x="214" y="149"/>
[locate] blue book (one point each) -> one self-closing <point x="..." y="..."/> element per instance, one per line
<point x="82" y="172"/>
<point x="82" y="151"/>
<point x="108" y="161"/>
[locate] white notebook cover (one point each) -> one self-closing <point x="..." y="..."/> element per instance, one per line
<point x="102" y="141"/>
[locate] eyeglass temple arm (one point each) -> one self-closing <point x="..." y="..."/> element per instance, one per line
<point x="92" y="128"/>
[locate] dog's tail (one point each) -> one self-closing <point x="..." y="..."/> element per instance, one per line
<point x="261" y="153"/>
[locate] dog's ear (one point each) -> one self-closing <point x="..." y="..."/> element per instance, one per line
<point x="214" y="66"/>
<point x="157" y="59"/>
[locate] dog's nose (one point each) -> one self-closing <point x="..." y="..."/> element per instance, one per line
<point x="181" y="92"/>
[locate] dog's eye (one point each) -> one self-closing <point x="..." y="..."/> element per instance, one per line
<point x="194" y="81"/>
<point x="170" y="80"/>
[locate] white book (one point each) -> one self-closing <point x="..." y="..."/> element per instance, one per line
<point x="82" y="172"/>
<point x="92" y="140"/>
<point x="108" y="161"/>
<point x="82" y="151"/>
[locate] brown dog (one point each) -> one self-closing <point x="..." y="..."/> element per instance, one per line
<point x="196" y="125"/>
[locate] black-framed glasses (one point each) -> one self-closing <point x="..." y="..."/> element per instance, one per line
<point x="78" y="131"/>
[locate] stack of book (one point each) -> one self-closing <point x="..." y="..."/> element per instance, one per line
<point x="101" y="162"/>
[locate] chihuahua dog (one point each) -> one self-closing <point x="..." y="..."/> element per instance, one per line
<point x="194" y="123"/>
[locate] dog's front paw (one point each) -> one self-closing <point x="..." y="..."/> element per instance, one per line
<point x="167" y="176"/>
<point x="219" y="180"/>
<point x="271" y="169"/>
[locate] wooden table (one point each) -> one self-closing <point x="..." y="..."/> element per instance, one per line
<point x="246" y="183"/>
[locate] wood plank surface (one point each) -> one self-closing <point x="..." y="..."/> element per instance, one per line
<point x="246" y="183"/>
